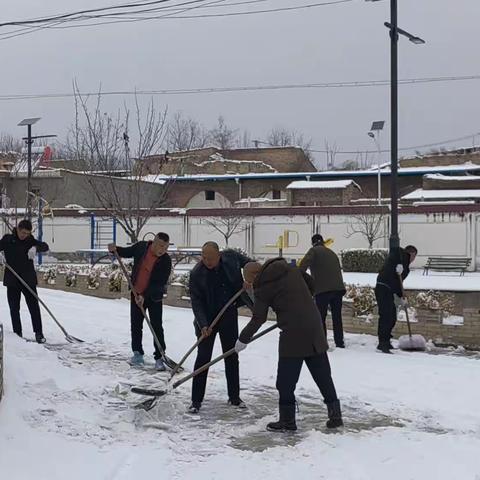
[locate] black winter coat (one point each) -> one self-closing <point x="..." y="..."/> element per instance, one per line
<point x="202" y="293"/>
<point x="16" y="255"/>
<point x="288" y="291"/>
<point x="388" y="274"/>
<point x="160" y="273"/>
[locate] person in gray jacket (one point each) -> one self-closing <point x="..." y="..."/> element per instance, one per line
<point x="326" y="271"/>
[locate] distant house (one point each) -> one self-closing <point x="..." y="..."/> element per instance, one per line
<point x="318" y="193"/>
<point x="438" y="188"/>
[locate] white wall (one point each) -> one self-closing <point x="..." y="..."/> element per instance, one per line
<point x="446" y="235"/>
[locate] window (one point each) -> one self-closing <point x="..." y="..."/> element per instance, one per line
<point x="276" y="194"/>
<point x="303" y="204"/>
<point x="210" y="195"/>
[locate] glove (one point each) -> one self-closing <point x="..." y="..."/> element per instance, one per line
<point x="239" y="346"/>
<point x="31" y="253"/>
<point x="399" y="269"/>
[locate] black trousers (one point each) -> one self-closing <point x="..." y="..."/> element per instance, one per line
<point x="14" y="296"/>
<point x="387" y="313"/>
<point x="288" y="372"/>
<point x="334" y="301"/>
<point x="227" y="328"/>
<point x="155" y="312"/>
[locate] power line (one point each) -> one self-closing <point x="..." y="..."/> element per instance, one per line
<point x="137" y="18"/>
<point x="247" y="88"/>
<point x="53" y="24"/>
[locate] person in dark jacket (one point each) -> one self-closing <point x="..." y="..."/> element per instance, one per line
<point x="213" y="281"/>
<point x="288" y="291"/>
<point x="326" y="271"/>
<point x="151" y="270"/>
<point x="19" y="249"/>
<point x="388" y="285"/>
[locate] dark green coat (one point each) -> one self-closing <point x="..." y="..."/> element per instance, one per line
<point x="284" y="288"/>
<point x="325" y="269"/>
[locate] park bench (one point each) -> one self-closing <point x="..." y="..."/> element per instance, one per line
<point x="445" y="264"/>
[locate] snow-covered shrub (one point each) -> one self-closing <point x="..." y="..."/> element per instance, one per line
<point x="115" y="280"/>
<point x="71" y="278"/>
<point x="363" y="259"/>
<point x="93" y="279"/>
<point x="50" y="275"/>
<point x="435" y="301"/>
<point x="183" y="279"/>
<point x="363" y="299"/>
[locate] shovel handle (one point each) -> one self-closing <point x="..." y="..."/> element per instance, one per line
<point x="211" y="326"/>
<point x="405" y="308"/>
<point x="221" y="357"/>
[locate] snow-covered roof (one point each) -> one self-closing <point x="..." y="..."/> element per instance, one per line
<point x="422" y="194"/>
<point x="301" y="185"/>
<point x="260" y="200"/>
<point x="453" y="178"/>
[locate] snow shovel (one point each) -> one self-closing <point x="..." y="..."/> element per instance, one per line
<point x="68" y="337"/>
<point x="160" y="393"/>
<point x="168" y="361"/>
<point x="410" y="343"/>
<point x="211" y="326"/>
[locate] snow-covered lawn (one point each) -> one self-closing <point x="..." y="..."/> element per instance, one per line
<point x="447" y="281"/>
<point x="67" y="410"/>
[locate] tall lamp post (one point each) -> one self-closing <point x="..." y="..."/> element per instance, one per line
<point x="28" y="122"/>
<point x="394" y="35"/>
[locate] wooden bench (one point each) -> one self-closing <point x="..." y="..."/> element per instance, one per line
<point x="445" y="264"/>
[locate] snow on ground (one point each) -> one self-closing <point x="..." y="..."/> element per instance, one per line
<point x="67" y="410"/>
<point x="449" y="281"/>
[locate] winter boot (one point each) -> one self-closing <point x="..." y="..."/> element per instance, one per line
<point x="237" y="402"/>
<point x="194" y="407"/>
<point x="286" y="422"/>
<point x="137" y="359"/>
<point x="334" y="415"/>
<point x="39" y="338"/>
<point x="159" y="365"/>
<point x="384" y="347"/>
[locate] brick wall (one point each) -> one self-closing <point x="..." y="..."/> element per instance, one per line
<point x="428" y="323"/>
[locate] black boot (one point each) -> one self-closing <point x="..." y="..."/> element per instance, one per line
<point x="39" y="338"/>
<point x="384" y="347"/>
<point x="286" y="422"/>
<point x="334" y="415"/>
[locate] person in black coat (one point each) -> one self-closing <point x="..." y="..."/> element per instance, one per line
<point x="388" y="284"/>
<point x="152" y="267"/>
<point x="19" y="249"/>
<point x="213" y="281"/>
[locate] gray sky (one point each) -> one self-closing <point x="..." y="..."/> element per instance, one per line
<point x="345" y="42"/>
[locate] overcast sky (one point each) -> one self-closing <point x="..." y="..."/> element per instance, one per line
<point x="344" y="42"/>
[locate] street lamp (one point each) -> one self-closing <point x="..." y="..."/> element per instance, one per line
<point x="374" y="134"/>
<point x="394" y="35"/>
<point x="28" y="122"/>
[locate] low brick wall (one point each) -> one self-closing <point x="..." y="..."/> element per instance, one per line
<point x="428" y="322"/>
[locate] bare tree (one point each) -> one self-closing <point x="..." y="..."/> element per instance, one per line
<point x="101" y="145"/>
<point x="331" y="150"/>
<point x="283" y="137"/>
<point x="228" y="224"/>
<point x="244" y="139"/>
<point x="185" y="133"/>
<point x="222" y="136"/>
<point x="9" y="143"/>
<point x="371" y="226"/>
